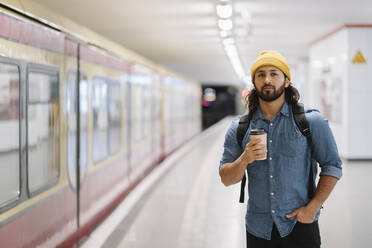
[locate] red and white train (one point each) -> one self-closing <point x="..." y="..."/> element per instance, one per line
<point x="57" y="181"/>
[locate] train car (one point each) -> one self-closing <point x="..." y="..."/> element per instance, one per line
<point x="82" y="120"/>
<point x="181" y="108"/>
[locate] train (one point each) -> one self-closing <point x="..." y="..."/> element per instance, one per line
<point x="82" y="121"/>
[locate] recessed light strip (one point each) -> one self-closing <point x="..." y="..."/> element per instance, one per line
<point x="224" y="13"/>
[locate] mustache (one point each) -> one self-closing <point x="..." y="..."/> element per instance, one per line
<point x="268" y="86"/>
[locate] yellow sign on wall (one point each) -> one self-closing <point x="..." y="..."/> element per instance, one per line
<point x="359" y="59"/>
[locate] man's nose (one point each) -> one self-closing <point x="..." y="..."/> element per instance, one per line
<point x="267" y="79"/>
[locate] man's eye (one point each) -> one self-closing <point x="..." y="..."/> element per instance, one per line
<point x="260" y="75"/>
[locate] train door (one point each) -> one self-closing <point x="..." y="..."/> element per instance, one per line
<point x="76" y="100"/>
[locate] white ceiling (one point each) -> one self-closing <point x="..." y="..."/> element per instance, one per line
<point x="183" y="36"/>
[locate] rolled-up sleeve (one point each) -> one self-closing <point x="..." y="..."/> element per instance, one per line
<point x="232" y="149"/>
<point x="324" y="145"/>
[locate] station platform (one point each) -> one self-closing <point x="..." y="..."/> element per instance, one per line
<point x="183" y="204"/>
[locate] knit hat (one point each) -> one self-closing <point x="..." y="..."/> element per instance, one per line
<point x="272" y="58"/>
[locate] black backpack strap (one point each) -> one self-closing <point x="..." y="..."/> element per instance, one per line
<point x="300" y="119"/>
<point x="242" y="186"/>
<point x="240" y="133"/>
<point x="243" y="127"/>
<point x="303" y="125"/>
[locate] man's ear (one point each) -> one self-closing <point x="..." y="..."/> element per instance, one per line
<point x="287" y="82"/>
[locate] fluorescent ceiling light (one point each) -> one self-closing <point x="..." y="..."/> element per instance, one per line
<point x="225" y="24"/>
<point x="231" y="51"/>
<point x="232" y="54"/>
<point x="224" y="11"/>
<point x="228" y="41"/>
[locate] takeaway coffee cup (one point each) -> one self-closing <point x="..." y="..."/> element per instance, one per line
<point x="261" y="134"/>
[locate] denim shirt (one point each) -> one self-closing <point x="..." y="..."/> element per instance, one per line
<point x="279" y="185"/>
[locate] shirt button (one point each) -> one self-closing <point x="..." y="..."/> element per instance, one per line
<point x="271" y="158"/>
<point x="273" y="211"/>
<point x="271" y="141"/>
<point x="271" y="176"/>
<point x="272" y="193"/>
<point x="271" y="124"/>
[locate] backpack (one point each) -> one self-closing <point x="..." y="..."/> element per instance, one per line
<point x="302" y="124"/>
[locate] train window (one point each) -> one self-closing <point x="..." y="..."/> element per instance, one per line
<point x="9" y="131"/>
<point x="42" y="130"/>
<point x="72" y="123"/>
<point x="114" y="109"/>
<point x="100" y="119"/>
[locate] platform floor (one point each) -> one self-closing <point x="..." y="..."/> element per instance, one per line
<point x="183" y="204"/>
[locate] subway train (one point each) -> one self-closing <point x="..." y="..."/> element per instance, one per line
<point x="58" y="181"/>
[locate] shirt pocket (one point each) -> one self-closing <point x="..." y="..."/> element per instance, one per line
<point x="292" y="144"/>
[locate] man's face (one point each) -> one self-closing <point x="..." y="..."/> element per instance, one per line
<point x="270" y="83"/>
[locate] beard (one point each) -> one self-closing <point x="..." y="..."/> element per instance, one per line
<point x="270" y="95"/>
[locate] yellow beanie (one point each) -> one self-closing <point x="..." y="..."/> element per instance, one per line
<point x="272" y="58"/>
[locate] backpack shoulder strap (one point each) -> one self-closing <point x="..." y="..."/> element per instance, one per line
<point x="303" y="125"/>
<point x="300" y="119"/>
<point x="243" y="127"/>
<point x="240" y="133"/>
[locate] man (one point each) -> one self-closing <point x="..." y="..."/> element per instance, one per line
<point x="280" y="212"/>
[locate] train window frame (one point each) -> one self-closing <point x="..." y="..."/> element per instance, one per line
<point x="6" y="205"/>
<point x="50" y="71"/>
